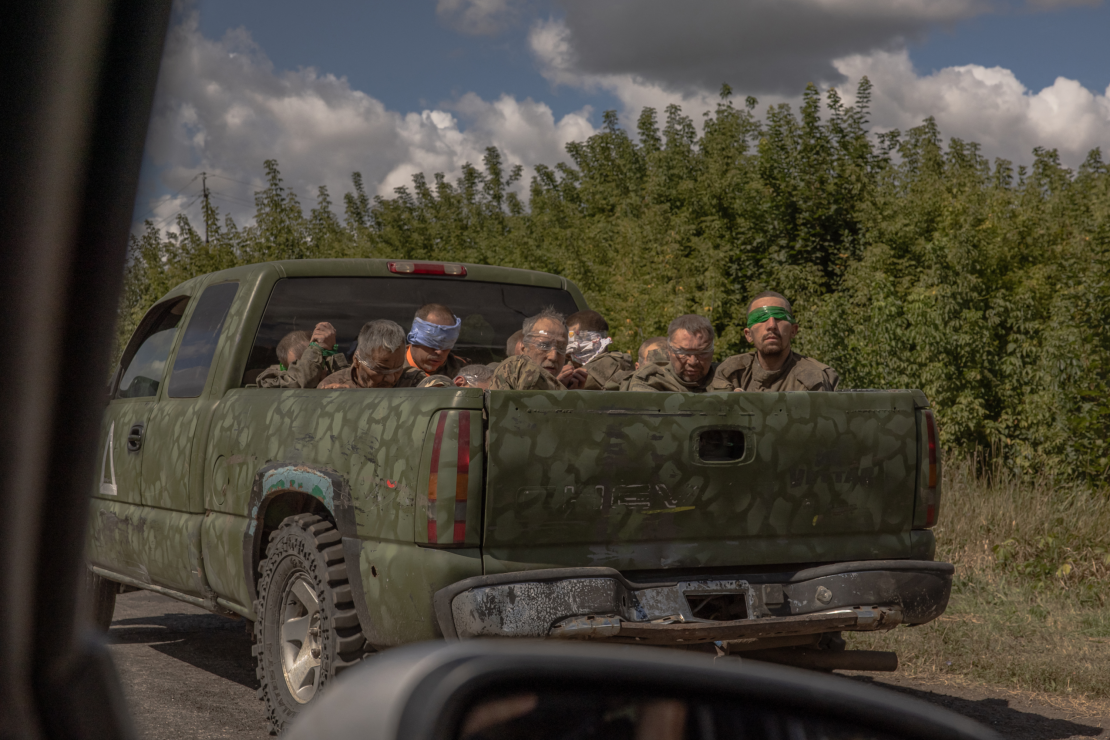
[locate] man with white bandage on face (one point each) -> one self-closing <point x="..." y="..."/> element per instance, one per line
<point x="589" y="347"/>
<point x="435" y="329"/>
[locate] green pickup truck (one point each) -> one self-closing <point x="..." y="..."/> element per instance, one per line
<point x="343" y="522"/>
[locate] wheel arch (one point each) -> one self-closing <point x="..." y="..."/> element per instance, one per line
<point x="283" y="489"/>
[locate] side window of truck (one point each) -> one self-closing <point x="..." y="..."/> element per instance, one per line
<point x="198" y="345"/>
<point x="144" y="360"/>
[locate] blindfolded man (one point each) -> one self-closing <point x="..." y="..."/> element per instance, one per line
<point x="379" y="361"/>
<point x="690" y="367"/>
<point x="541" y="364"/>
<point x="773" y="365"/>
<point x="303" y="359"/>
<point x="435" y="330"/>
<point x="588" y="347"/>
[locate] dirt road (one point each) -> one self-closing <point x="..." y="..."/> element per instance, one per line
<point x="189" y="674"/>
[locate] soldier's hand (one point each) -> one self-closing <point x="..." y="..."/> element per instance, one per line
<point x="573" y="378"/>
<point x="324" y="335"/>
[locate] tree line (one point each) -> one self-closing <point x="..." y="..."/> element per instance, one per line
<point x="911" y="262"/>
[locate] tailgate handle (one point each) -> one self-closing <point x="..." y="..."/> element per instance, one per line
<point x="135" y="438"/>
<point x="720" y="445"/>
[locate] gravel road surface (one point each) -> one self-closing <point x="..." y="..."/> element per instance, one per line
<point x="190" y="674"/>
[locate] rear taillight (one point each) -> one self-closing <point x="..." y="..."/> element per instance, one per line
<point x="931" y="487"/>
<point x="427" y="268"/>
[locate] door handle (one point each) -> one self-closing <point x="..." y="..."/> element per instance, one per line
<point x="135" y="438"/>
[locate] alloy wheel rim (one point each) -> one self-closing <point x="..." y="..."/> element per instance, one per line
<point x="301" y="647"/>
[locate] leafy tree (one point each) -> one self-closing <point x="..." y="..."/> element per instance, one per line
<point x="911" y="262"/>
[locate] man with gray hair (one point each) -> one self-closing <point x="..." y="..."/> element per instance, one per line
<point x="690" y="351"/>
<point x="542" y="362"/>
<point x="379" y="361"/>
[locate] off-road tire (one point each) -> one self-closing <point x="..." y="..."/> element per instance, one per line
<point x="100" y="600"/>
<point x="304" y="552"/>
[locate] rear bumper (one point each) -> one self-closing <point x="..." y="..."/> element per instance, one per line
<point x="600" y="603"/>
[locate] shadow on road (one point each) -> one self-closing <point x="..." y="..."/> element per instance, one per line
<point x="999" y="715"/>
<point x="210" y="642"/>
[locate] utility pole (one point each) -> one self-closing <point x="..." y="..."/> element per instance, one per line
<point x="204" y="188"/>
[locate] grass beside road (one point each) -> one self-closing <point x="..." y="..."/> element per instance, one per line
<point x="1030" y="606"/>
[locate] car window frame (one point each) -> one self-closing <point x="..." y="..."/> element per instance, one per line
<point x="134" y="343"/>
<point x="221" y="338"/>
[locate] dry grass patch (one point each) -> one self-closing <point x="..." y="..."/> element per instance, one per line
<point x="1029" y="605"/>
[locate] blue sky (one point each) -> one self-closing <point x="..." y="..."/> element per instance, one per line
<point x="389" y="89"/>
<point x="402" y="54"/>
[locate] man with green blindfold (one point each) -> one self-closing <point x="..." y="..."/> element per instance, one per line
<point x="773" y="366"/>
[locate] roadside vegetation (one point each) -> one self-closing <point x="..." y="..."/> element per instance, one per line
<point x="913" y="262"/>
<point x="1030" y="608"/>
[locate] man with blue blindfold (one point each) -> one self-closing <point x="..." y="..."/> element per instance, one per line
<point x="435" y="329"/>
<point x="773" y="365"/>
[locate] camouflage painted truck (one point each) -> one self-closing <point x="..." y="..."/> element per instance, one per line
<point x="347" y="521"/>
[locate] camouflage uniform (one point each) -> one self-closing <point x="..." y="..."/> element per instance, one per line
<point x="605" y="372"/>
<point x="307" y="372"/>
<point x="450" y="366"/>
<point x="410" y="378"/>
<point x="798" y="373"/>
<point x="623" y="381"/>
<point x="519" y="373"/>
<point x="659" y="377"/>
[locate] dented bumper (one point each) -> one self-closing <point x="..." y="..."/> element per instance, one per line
<point x="600" y="603"/>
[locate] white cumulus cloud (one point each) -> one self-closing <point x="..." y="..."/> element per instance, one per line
<point x="987" y="105"/>
<point x="223" y="108"/>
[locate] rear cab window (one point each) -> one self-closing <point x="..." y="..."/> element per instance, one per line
<point x="490" y="312"/>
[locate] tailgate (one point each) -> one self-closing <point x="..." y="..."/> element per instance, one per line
<point x="647" y="481"/>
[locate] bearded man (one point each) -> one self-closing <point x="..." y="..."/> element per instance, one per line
<point x="690" y="353"/>
<point x="773" y="365"/>
<point x="541" y="364"/>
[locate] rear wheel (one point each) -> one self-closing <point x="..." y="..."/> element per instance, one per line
<point x="100" y="595"/>
<point x="307" y="630"/>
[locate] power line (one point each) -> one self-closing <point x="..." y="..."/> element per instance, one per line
<point x="174" y="195"/>
<point x="230" y="198"/>
<point x="230" y="179"/>
<point x="184" y="208"/>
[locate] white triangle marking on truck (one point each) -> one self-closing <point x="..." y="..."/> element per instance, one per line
<point x="108" y="464"/>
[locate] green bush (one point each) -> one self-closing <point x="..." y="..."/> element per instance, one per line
<point x="911" y="263"/>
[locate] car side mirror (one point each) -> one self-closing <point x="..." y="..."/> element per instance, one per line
<point x="510" y="690"/>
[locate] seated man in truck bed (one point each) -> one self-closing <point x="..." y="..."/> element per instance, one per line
<point x="379" y="361"/>
<point x="690" y="353"/>
<point x="652" y="350"/>
<point x="589" y="347"/>
<point x="772" y="366"/>
<point x="474" y="376"/>
<point x="304" y="360"/>
<point x="435" y="329"/>
<point x="541" y="364"/>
